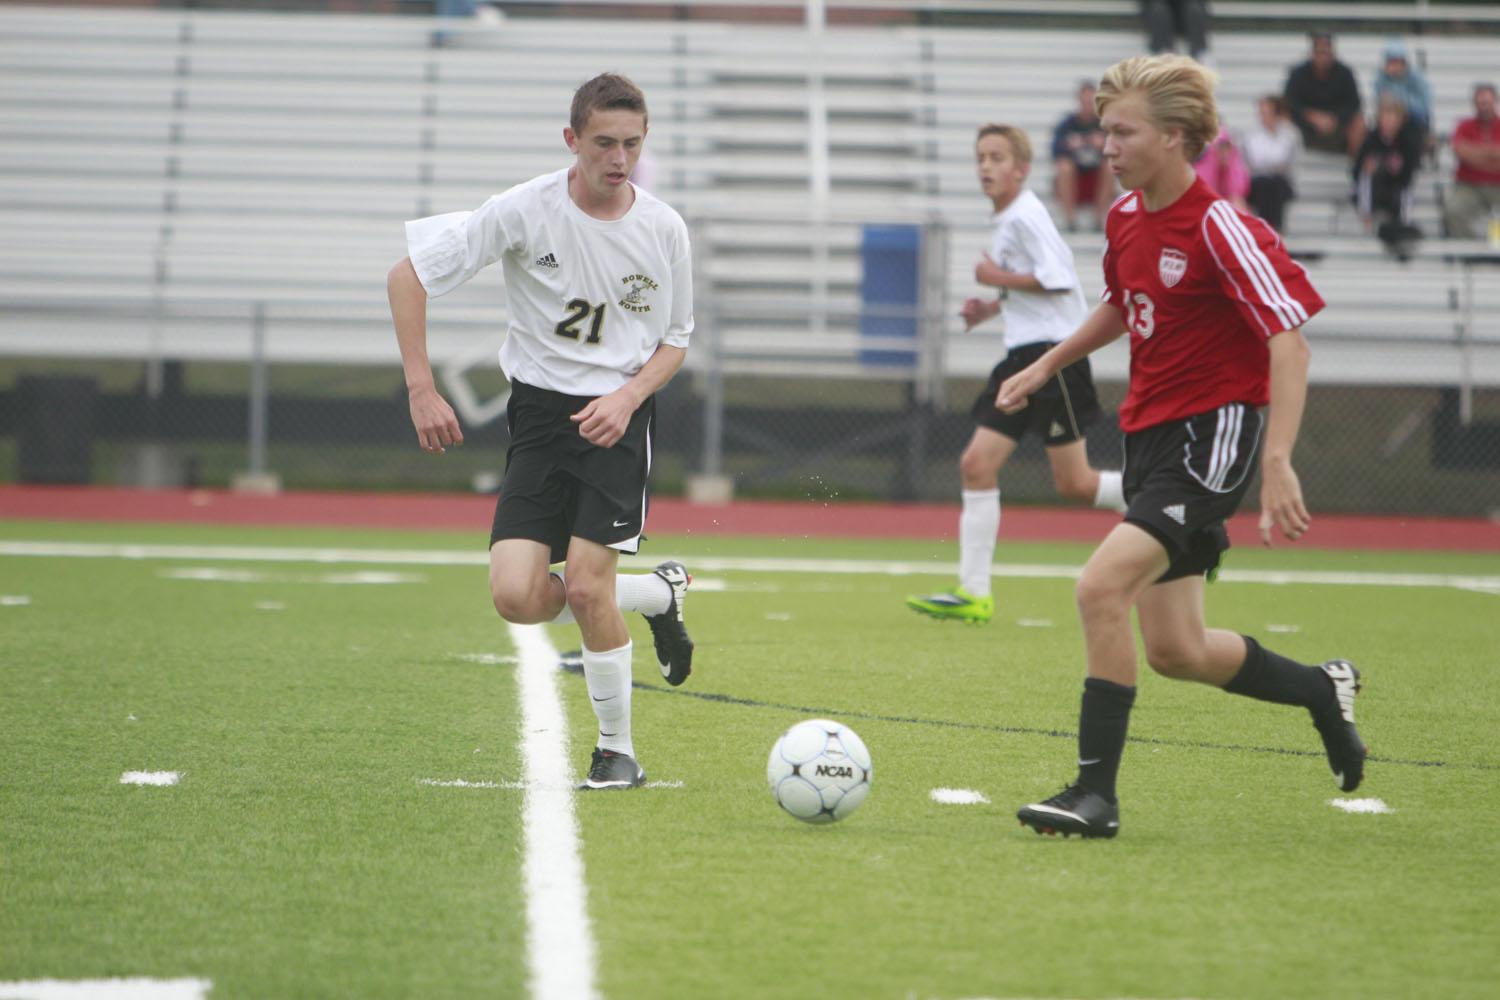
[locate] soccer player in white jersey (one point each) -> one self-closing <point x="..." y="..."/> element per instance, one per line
<point x="599" y="283"/>
<point x="1043" y="302"/>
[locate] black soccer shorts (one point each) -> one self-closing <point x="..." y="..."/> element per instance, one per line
<point x="1058" y="412"/>
<point x="557" y="485"/>
<point x="1185" y="478"/>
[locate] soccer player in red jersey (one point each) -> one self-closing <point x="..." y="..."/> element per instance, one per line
<point x="1214" y="308"/>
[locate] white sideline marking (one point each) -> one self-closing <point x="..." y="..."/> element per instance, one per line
<point x="150" y="778"/>
<point x="514" y="785"/>
<point x="488" y="659"/>
<point x="958" y="797"/>
<point x="216" y="574"/>
<point x="106" y="989"/>
<point x="778" y="616"/>
<point x="1361" y="805"/>
<point x="1284" y="628"/>
<point x="559" y="937"/>
<point x="461" y="783"/>
<point x="270" y="606"/>
<point x="454" y="557"/>
<point x="14" y="600"/>
<point x="1034" y="622"/>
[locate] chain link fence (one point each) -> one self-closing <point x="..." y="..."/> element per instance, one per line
<point x="1367" y="449"/>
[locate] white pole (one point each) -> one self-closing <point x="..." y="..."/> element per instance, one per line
<point x="817" y="154"/>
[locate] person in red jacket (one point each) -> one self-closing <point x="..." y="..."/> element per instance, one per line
<point x="1214" y="307"/>
<point x="1475" y="197"/>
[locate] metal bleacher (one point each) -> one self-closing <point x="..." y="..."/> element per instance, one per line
<point x="172" y="181"/>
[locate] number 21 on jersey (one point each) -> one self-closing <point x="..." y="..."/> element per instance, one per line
<point x="1140" y="313"/>
<point x="578" y="311"/>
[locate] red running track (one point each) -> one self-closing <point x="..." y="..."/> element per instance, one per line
<point x="764" y="518"/>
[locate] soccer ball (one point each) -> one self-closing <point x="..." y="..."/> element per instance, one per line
<point x="819" y="771"/>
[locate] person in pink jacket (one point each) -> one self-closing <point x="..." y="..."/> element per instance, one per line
<point x="1223" y="169"/>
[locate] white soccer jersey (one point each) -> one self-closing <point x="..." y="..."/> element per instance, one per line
<point x="590" y="300"/>
<point x="1027" y="242"/>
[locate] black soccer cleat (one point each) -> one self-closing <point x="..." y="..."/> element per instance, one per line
<point x="674" y="649"/>
<point x="610" y="770"/>
<point x="1346" y="751"/>
<point x="1075" y="809"/>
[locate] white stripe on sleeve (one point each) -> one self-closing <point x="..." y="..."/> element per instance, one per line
<point x="1268" y="284"/>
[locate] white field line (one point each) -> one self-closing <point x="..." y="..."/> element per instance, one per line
<point x="1361" y="805"/>
<point x="106" y="989"/>
<point x="711" y="564"/>
<point x="559" y="937"/>
<point x="150" y="778"/>
<point x="958" y="797"/>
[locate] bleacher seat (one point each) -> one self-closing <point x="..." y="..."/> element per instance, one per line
<point x="163" y="174"/>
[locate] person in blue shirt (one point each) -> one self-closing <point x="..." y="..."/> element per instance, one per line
<point x="1398" y="78"/>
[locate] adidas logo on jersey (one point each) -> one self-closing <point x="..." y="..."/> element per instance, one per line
<point x="1176" y="511"/>
<point x="546" y="260"/>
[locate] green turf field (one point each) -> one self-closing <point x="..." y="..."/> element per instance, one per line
<point x="304" y="704"/>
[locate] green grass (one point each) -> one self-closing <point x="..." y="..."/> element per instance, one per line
<point x="300" y="856"/>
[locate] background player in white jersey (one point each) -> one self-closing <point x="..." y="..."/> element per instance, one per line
<point x="599" y="285"/>
<point x="1033" y="268"/>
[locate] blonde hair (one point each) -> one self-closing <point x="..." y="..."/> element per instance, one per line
<point x="1020" y="143"/>
<point x="1179" y="95"/>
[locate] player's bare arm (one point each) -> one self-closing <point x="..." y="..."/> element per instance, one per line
<point x="987" y="272"/>
<point x="604" y="420"/>
<point x="1280" y="491"/>
<point x="433" y="418"/>
<point x="1103" y="325"/>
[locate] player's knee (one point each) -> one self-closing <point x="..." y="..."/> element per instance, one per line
<point x="976" y="471"/>
<point x="511" y="603"/>
<point x="587" y="595"/>
<point x="1174" y="658"/>
<point x="1098" y="596"/>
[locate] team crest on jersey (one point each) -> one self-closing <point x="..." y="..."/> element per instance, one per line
<point x="1171" y="266"/>
<point x="635" y="299"/>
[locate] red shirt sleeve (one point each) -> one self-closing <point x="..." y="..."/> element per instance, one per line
<point x="1271" y="291"/>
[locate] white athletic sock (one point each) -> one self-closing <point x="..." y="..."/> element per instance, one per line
<point x="565" y="616"/>
<point x="644" y="592"/>
<point x="1111" y="494"/>
<point x="977" y="527"/>
<point x="608" y="678"/>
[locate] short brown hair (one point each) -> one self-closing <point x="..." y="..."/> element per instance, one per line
<point x="1179" y="95"/>
<point x="605" y="92"/>
<point x="1020" y="143"/>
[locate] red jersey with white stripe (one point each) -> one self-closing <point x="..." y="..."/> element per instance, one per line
<point x="1203" y="288"/>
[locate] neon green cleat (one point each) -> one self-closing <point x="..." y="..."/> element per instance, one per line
<point x="955" y="605"/>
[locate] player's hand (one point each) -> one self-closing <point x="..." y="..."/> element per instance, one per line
<point x="1281" y="503"/>
<point x="975" y="311"/>
<point x="604" y="420"/>
<point x="1015" y="390"/>
<point x="436" y="424"/>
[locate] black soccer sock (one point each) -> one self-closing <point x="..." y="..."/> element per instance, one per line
<point x="1270" y="676"/>
<point x="1102" y="723"/>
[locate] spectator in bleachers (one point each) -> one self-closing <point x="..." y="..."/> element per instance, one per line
<point x="1324" y="102"/>
<point x="1079" y="176"/>
<point x="1271" y="156"/>
<point x="1223" y="169"/>
<point x="1398" y="78"/>
<point x="1168" y="20"/>
<point x="1383" y="172"/>
<point x="1476" y="182"/>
